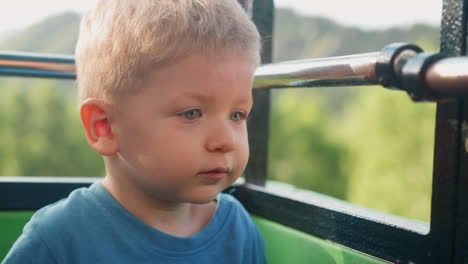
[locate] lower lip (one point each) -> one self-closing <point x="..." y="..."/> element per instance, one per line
<point x="214" y="175"/>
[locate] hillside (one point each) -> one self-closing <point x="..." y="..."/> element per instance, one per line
<point x="303" y="37"/>
<point x="55" y="34"/>
<point x="295" y="37"/>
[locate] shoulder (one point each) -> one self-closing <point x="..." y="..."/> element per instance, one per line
<point x="45" y="229"/>
<point x="29" y="248"/>
<point x="59" y="215"/>
<point x="62" y="220"/>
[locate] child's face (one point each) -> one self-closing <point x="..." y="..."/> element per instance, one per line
<point x="183" y="138"/>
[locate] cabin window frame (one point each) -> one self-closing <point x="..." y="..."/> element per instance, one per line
<point x="368" y="232"/>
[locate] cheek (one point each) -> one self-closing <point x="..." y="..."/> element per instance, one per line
<point x="130" y="132"/>
<point x="165" y="150"/>
<point x="243" y="151"/>
<point x="137" y="144"/>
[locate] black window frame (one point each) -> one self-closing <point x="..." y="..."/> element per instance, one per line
<point x="364" y="231"/>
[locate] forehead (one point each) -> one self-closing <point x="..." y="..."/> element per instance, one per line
<point x="201" y="77"/>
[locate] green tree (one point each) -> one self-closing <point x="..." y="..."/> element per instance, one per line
<point x="301" y="152"/>
<point x="42" y="134"/>
<point x="390" y="143"/>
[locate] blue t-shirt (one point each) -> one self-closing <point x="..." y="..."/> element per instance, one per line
<point x="90" y="226"/>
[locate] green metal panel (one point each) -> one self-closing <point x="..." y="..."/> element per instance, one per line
<point x="11" y="227"/>
<point x="287" y="245"/>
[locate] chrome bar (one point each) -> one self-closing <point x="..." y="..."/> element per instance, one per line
<point x="37" y="65"/>
<point x="356" y="69"/>
<point x="446" y="77"/>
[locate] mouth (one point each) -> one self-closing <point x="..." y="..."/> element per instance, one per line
<point x="216" y="173"/>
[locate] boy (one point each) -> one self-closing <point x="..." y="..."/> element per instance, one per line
<point x="165" y="91"/>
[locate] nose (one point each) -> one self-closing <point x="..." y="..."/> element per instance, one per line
<point x="221" y="138"/>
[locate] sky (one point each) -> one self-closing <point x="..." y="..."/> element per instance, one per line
<point x="369" y="14"/>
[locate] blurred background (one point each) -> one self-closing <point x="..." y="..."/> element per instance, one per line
<point x="365" y="145"/>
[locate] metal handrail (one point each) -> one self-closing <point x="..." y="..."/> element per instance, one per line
<point x="37" y="65"/>
<point x="425" y="76"/>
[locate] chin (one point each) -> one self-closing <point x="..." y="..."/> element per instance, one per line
<point x="201" y="202"/>
<point x="203" y="198"/>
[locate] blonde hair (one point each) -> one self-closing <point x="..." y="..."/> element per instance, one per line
<point x="121" y="41"/>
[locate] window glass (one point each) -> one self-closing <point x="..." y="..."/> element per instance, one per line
<point x="40" y="130"/>
<point x="367" y="145"/>
<point x="370" y="146"/>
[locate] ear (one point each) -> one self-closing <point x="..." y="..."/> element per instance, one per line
<point x="95" y="116"/>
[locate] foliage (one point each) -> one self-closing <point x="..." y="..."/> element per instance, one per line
<point x="377" y="152"/>
<point x="301" y="151"/>
<point x="390" y="141"/>
<point x="42" y="134"/>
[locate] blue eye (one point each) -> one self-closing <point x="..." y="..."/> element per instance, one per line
<point x="191" y="114"/>
<point x="237" y="116"/>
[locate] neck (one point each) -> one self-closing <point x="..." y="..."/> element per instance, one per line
<point x="174" y="218"/>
